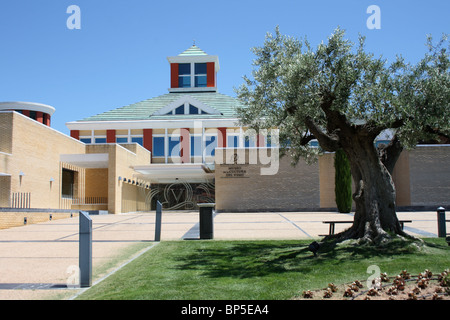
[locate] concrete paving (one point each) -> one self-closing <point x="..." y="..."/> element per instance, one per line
<point x="38" y="261"/>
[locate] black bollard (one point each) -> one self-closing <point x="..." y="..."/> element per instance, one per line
<point x="442" y="232"/>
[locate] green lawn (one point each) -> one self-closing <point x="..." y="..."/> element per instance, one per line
<point x="256" y="270"/>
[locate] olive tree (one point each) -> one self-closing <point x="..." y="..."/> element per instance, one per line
<point x="345" y="97"/>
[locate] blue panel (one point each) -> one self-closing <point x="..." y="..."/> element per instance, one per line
<point x="200" y="68"/>
<point x="184" y="82"/>
<point x="121" y="140"/>
<point x="184" y="69"/>
<point x="158" y="146"/>
<point x="179" y="110"/>
<point x="200" y="81"/>
<point x="174" y="146"/>
<point x="233" y="141"/>
<point x="138" y="140"/>
<point x="196" y="146"/>
<point x="100" y="140"/>
<point x="193" y="109"/>
<point x="210" y="145"/>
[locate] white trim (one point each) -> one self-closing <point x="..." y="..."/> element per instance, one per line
<point x="32" y="106"/>
<point x="42" y="125"/>
<point x="196" y="59"/>
<point x="186" y="101"/>
<point x="151" y="124"/>
<point x="193" y="89"/>
<point x="90" y="160"/>
<point x="433" y="145"/>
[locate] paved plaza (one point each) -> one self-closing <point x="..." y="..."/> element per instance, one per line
<point x="36" y="261"/>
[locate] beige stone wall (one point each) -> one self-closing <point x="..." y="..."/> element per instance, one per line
<point x="97" y="186"/>
<point x="241" y="187"/>
<point x="5" y="191"/>
<point x="430" y="175"/>
<point x="34" y="151"/>
<point x="122" y="197"/>
<point x="10" y="219"/>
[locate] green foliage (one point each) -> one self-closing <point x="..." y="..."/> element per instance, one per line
<point x="343" y="182"/>
<point x="310" y="93"/>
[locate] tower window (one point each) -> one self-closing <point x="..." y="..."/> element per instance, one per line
<point x="200" y="75"/>
<point x="184" y="75"/>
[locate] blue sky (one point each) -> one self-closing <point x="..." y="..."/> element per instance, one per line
<point x="118" y="57"/>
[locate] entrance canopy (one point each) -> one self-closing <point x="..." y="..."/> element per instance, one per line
<point x="174" y="172"/>
<point x="87" y="161"/>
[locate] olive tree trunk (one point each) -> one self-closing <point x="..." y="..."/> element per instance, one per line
<point x="375" y="214"/>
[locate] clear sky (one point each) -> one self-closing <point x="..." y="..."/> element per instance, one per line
<point x="118" y="57"/>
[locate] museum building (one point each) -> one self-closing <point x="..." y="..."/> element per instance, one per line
<point x="182" y="148"/>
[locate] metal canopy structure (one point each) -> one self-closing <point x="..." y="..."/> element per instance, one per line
<point x="174" y="172"/>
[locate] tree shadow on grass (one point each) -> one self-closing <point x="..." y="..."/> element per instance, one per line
<point x="256" y="259"/>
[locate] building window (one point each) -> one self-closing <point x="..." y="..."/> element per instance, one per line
<point x="210" y="145"/>
<point x="100" y="140"/>
<point x="250" y="141"/>
<point x="180" y="110"/>
<point x="121" y="139"/>
<point x="33" y="115"/>
<point x="193" y="109"/>
<point x="184" y="75"/>
<point x="138" y="140"/>
<point x="233" y="141"/>
<point x="200" y="75"/>
<point x="86" y="140"/>
<point x="158" y="146"/>
<point x="196" y="145"/>
<point x="67" y="183"/>
<point x="174" y="146"/>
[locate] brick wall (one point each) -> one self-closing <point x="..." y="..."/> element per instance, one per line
<point x="10" y="219"/>
<point x="241" y="187"/>
<point x="35" y="152"/>
<point x="430" y="175"/>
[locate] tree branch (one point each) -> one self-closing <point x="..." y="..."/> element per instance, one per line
<point x="390" y="153"/>
<point x="327" y="142"/>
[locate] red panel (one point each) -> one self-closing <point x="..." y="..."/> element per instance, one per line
<point x="40" y="116"/>
<point x="210" y="74"/>
<point x="184" y="141"/>
<point x="75" y="134"/>
<point x="148" y="139"/>
<point x="260" y="140"/>
<point x="26" y="113"/>
<point x="174" y="75"/>
<point x="111" y="136"/>
<point x="47" y="119"/>
<point x="222" y="137"/>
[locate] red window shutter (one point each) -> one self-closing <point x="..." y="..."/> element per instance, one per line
<point x="111" y="136"/>
<point x="75" y="134"/>
<point x="40" y="116"/>
<point x="210" y="74"/>
<point x="148" y="139"/>
<point x="47" y="119"/>
<point x="222" y="137"/>
<point x="174" y="75"/>
<point x="184" y="142"/>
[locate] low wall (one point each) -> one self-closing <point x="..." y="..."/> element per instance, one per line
<point x="10" y="218"/>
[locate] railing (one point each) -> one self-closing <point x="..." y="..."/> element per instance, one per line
<point x="21" y="200"/>
<point x="90" y="200"/>
<point x="67" y="203"/>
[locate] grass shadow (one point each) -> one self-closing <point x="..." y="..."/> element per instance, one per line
<point x="257" y="259"/>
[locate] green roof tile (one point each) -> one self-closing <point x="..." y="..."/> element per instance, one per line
<point x="193" y="51"/>
<point x="144" y="110"/>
